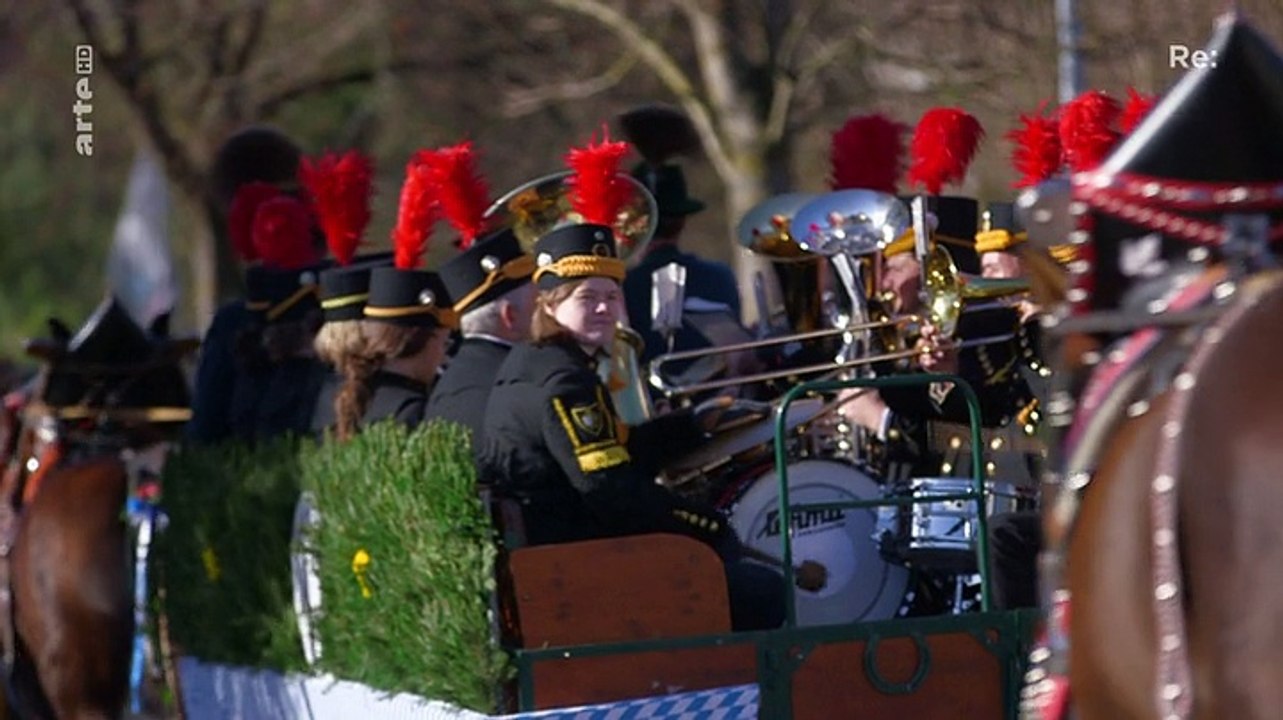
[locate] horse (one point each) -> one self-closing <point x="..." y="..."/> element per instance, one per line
<point x="1168" y="565"/>
<point x="94" y="430"/>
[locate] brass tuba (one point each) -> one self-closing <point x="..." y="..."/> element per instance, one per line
<point x="766" y="230"/>
<point x="542" y="205"/>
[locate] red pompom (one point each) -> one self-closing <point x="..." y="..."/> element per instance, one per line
<point x="240" y="216"/>
<point x="283" y="234"/>
<point x="944" y="144"/>
<point x="598" y="191"/>
<point x="1087" y="129"/>
<point x="1037" y="153"/>
<point x="1137" y="107"/>
<point x="340" y="187"/>
<point x="416" y="214"/>
<point x="867" y="153"/>
<point x="461" y="190"/>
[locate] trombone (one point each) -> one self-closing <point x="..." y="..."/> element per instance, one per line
<point x="946" y="291"/>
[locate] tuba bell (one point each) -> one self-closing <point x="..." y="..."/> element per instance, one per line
<point x="766" y="230"/>
<point x="540" y="206"/>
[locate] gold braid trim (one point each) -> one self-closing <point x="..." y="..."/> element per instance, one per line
<point x="1064" y="254"/>
<point x="159" y="413"/>
<point x="519" y="267"/>
<point x="445" y="316"/>
<point x="998" y="240"/>
<point x="904" y="243"/>
<point x="576" y="266"/>
<point x="291" y="301"/>
<point x="340" y="301"/>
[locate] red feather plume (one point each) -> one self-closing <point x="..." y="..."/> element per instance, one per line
<point x="944" y="143"/>
<point x="283" y="234"/>
<point x="240" y="216"/>
<point x="416" y="214"/>
<point x="1037" y="152"/>
<point x="598" y="192"/>
<point x="339" y="187"/>
<point x="867" y="153"/>
<point x="1087" y="129"/>
<point x="1137" y="107"/>
<point x="462" y="192"/>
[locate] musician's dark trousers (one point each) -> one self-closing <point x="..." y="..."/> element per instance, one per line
<point x="1014" y="541"/>
<point x="756" y="594"/>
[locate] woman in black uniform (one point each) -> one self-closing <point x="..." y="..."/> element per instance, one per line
<point x="553" y="443"/>
<point x="387" y="366"/>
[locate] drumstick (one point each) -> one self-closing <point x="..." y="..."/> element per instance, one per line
<point x="801" y="577"/>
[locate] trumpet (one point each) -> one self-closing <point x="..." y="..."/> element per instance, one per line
<point x="946" y="289"/>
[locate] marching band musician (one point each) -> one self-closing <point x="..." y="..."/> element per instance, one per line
<point x="491" y="280"/>
<point x="660" y="133"/>
<point x="1015" y="538"/>
<point x="900" y="417"/>
<point x="553" y="443"/>
<point x="252" y="155"/>
<point x="389" y="366"/>
<point x="407" y="321"/>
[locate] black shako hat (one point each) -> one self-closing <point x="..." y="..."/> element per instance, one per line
<point x="574" y="252"/>
<point x="275" y="295"/>
<point x="412" y="298"/>
<point x="1000" y="228"/>
<point x="956" y="224"/>
<point x="494" y="266"/>
<point x="345" y="290"/>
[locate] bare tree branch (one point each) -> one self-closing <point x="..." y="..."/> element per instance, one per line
<point x="123" y="67"/>
<point x="524" y="101"/>
<point x="665" y="68"/>
<point x="310" y="86"/>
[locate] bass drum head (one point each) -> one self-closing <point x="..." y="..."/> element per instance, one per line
<point x="862" y="586"/>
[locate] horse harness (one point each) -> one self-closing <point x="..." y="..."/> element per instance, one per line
<point x="42" y="445"/>
<point x="1121" y="384"/>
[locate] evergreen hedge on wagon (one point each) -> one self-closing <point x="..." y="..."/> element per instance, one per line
<point x="412" y="616"/>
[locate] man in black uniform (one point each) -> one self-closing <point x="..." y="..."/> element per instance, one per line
<point x="1015" y="538"/>
<point x="255" y="154"/>
<point x="491" y="280"/>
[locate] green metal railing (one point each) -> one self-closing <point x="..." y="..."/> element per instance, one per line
<point x="976" y="494"/>
<point x="779" y="653"/>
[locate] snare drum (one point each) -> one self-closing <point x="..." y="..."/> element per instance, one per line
<point x="941" y="535"/>
<point x="861" y="585"/>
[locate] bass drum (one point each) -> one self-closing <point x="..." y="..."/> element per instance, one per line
<point x="862" y="586"/>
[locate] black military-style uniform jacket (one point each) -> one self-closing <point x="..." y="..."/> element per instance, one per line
<point x="462" y="391"/>
<point x="391" y="396"/>
<point x="215" y="386"/>
<point x="1000" y="373"/>
<point x="553" y="442"/>
<point x="289" y="398"/>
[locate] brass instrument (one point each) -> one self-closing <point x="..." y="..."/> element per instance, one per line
<point x="542" y="205"/>
<point x="622" y="376"/>
<point x="947" y="291"/>
<point x="767" y="230"/>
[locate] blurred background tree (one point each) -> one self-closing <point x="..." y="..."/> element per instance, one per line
<point x="768" y="81"/>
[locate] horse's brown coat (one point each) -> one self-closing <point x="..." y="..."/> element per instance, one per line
<point x="1231" y="495"/>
